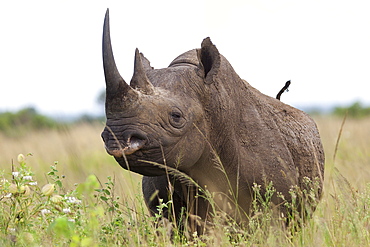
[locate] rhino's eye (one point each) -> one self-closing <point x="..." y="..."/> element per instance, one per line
<point x="176" y="119"/>
<point x="176" y="116"/>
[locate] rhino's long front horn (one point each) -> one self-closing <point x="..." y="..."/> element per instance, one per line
<point x="116" y="85"/>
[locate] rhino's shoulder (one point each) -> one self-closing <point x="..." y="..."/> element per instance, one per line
<point x="279" y="109"/>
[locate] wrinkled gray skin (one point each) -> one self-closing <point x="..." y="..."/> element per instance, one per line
<point x="198" y="117"/>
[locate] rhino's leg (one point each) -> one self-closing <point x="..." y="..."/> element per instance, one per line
<point x="150" y="186"/>
<point x="155" y="185"/>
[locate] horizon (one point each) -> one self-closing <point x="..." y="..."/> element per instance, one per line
<point x="313" y="109"/>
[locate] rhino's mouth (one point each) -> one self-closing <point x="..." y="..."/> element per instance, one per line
<point x="132" y="147"/>
<point x="133" y="144"/>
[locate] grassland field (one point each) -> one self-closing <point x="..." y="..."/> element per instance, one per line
<point x="79" y="152"/>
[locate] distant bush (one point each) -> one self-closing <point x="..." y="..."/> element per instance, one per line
<point x="24" y="120"/>
<point x="356" y="110"/>
<point x="86" y="118"/>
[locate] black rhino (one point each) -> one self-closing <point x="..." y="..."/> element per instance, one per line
<point x="198" y="117"/>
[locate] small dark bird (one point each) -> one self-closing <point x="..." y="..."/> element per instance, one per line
<point x="287" y="84"/>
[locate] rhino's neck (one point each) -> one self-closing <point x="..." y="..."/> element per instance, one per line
<point x="217" y="176"/>
<point x="226" y="107"/>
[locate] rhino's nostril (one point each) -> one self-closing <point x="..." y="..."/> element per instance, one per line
<point x="134" y="143"/>
<point x="134" y="136"/>
<point x="126" y="143"/>
<point x="137" y="137"/>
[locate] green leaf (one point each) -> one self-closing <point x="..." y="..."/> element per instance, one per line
<point x="104" y="198"/>
<point x="59" y="183"/>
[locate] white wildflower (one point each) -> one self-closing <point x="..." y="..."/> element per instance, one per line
<point x="29" y="178"/>
<point x="34" y="183"/>
<point x="73" y="200"/>
<point x="45" y="211"/>
<point x="15" y="174"/>
<point x="66" y="210"/>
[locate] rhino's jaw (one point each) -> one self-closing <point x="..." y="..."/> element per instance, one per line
<point x="139" y="166"/>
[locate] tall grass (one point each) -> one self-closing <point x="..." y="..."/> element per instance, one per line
<point x="112" y="211"/>
<point x="79" y="151"/>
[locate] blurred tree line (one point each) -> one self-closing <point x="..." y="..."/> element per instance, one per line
<point x="356" y="110"/>
<point x="28" y="119"/>
<point x="17" y="123"/>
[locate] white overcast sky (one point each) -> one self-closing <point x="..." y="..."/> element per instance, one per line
<point x="50" y="51"/>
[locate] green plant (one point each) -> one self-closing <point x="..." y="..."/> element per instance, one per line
<point x="29" y="213"/>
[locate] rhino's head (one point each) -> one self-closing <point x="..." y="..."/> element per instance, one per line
<point x="159" y="117"/>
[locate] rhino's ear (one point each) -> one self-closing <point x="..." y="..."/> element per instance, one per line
<point x="210" y="60"/>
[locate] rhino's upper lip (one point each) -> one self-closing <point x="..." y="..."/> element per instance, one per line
<point x="133" y="145"/>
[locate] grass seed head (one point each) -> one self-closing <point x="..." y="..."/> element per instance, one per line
<point x="48" y="189"/>
<point x="13" y="188"/>
<point x="21" y="158"/>
<point x="56" y="199"/>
